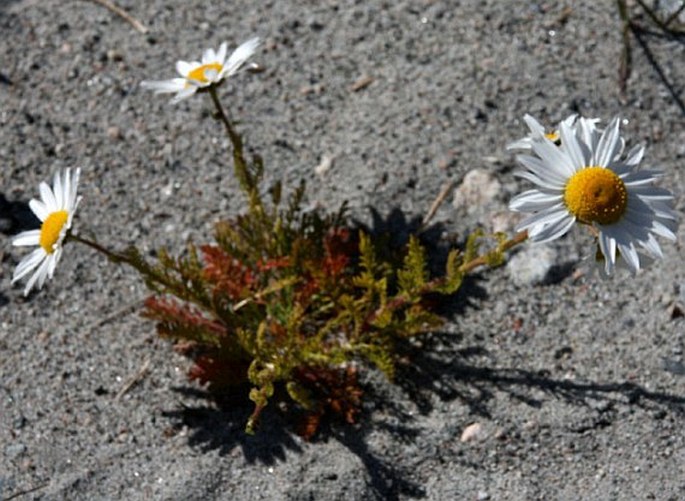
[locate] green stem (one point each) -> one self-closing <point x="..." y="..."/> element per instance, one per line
<point x="223" y="116"/>
<point x="520" y="237"/>
<point x="140" y="266"/>
<point x="247" y="177"/>
<point x="112" y="256"/>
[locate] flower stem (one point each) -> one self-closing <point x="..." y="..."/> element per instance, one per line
<point x="223" y="116"/>
<point x="248" y="178"/>
<point x="151" y="274"/>
<point x="520" y="237"/>
<point x="112" y="256"/>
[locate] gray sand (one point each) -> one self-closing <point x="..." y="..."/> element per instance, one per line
<point x="577" y="385"/>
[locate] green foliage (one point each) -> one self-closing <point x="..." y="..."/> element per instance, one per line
<point x="293" y="299"/>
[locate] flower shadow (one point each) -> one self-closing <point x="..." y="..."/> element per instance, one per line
<point x="448" y="374"/>
<point x="16" y="217"/>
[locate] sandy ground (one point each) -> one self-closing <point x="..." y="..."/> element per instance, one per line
<point x="576" y="386"/>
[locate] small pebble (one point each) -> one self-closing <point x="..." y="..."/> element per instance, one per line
<point x="477" y="190"/>
<point x="532" y="265"/>
<point x="325" y="165"/>
<point x="114" y="133"/>
<point x="473" y="432"/>
<point x="15" y="450"/>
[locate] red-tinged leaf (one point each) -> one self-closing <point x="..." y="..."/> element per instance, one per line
<point x="309" y="425"/>
<point x="228" y="275"/>
<point x="181" y="321"/>
<point x="339" y="247"/>
<point x="333" y="390"/>
<point x="273" y="264"/>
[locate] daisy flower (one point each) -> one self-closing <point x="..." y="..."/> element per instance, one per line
<point x="537" y="129"/>
<point x="586" y="180"/>
<point x="197" y="75"/>
<point x="56" y="211"/>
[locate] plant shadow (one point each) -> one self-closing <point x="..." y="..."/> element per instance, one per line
<point x="221" y="425"/>
<point x="643" y="29"/>
<point x="449" y="375"/>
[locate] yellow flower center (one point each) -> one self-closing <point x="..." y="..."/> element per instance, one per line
<point x="596" y="195"/>
<point x="553" y="136"/>
<point x="198" y="74"/>
<point x="51" y="229"/>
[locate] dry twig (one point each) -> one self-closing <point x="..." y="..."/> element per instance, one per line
<point x="123" y="14"/>
<point x="446" y="189"/>
<point x="138" y="376"/>
<point x="25" y="492"/>
<point x="124" y="310"/>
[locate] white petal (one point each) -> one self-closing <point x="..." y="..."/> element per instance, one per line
<point x="536" y="128"/>
<point x="522" y="144"/>
<point x="663" y="230"/>
<point x="652" y="247"/>
<point x="634" y="156"/>
<point x="547" y="216"/>
<point x="39" y="209"/>
<point x="631" y="162"/>
<point x="608" y="247"/>
<point x="663" y="210"/>
<point x="31" y="237"/>
<point x="239" y="56"/>
<point x="67" y="190"/>
<point x="552" y="186"/>
<point x="569" y="120"/>
<point x="587" y="131"/>
<point x="545" y="172"/>
<point x="629" y="255"/>
<point x="554" y="230"/>
<point x="164" y="86"/>
<point x="552" y="155"/>
<point x="637" y="231"/>
<point x="39" y="275"/>
<point x="533" y="201"/>
<point x="569" y="144"/>
<point x="609" y="145"/>
<point x="651" y="193"/>
<point x="183" y="94"/>
<point x="641" y="177"/>
<point x="208" y="56"/>
<point x="28" y="264"/>
<point x="57" y="190"/>
<point x="48" y="265"/>
<point x="48" y="197"/>
<point x="221" y="53"/>
<point x="72" y="212"/>
<point x="615" y="231"/>
<point x="73" y="199"/>
<point x="185" y="67"/>
<point x="54" y="259"/>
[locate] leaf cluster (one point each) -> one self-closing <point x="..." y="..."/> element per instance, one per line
<point x="293" y="299"/>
